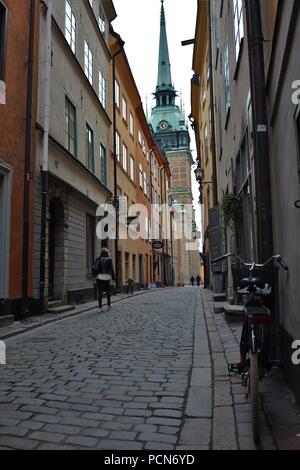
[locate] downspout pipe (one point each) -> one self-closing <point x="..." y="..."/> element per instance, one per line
<point x="27" y="164"/>
<point x="45" y="159"/>
<point x="212" y="109"/>
<point x="114" y="56"/>
<point x="260" y="131"/>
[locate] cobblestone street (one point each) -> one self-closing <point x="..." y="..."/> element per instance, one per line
<point x="151" y="374"/>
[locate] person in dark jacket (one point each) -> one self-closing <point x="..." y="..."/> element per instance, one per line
<point x="198" y="280"/>
<point x="105" y="273"/>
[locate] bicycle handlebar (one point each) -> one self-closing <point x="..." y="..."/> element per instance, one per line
<point x="253" y="265"/>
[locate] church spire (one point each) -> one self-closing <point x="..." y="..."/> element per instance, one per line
<point x="165" y="93"/>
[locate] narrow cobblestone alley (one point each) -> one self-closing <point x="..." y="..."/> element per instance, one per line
<point x="151" y="374"/>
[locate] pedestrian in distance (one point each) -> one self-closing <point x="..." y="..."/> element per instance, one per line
<point x="104" y="272"/>
<point x="193" y="281"/>
<point x="198" y="280"/>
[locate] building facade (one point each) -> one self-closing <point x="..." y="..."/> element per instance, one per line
<point x="239" y="171"/>
<point x="73" y="146"/>
<point x="142" y="171"/>
<point x="18" y="85"/>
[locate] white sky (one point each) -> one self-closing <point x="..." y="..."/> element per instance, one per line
<point x="138" y="23"/>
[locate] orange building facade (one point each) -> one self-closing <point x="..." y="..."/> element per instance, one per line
<point x="18" y="84"/>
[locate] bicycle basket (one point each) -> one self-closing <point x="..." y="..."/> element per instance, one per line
<point x="268" y="274"/>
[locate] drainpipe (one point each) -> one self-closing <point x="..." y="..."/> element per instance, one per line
<point x="28" y="149"/>
<point x="45" y="161"/>
<point x="121" y="43"/>
<point x="212" y="110"/>
<point x="260" y="131"/>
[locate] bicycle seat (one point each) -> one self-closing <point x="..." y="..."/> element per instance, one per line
<point x="254" y="282"/>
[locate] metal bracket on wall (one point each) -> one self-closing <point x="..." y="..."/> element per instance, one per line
<point x="297" y="204"/>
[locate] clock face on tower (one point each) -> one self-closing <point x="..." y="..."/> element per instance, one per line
<point x="164" y="125"/>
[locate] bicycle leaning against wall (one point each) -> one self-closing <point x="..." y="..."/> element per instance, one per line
<point x="255" y="339"/>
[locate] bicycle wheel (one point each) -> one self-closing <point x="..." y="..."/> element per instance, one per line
<point x="254" y="395"/>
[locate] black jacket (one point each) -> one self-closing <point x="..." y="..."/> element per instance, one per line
<point x="105" y="266"/>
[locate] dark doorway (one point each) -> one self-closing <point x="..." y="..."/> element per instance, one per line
<point x="56" y="251"/>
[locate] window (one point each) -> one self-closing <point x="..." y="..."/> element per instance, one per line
<point x="238" y="25"/>
<point x="141" y="175"/>
<point x="70" y="127"/>
<point x="134" y="266"/>
<point x="103" y="165"/>
<point x="140" y="137"/>
<point x="206" y="142"/>
<point x="90" y="149"/>
<point x="226" y="80"/>
<point x="101" y="20"/>
<point x="102" y="90"/>
<point x="118" y="146"/>
<point x="124" y="109"/>
<point x="125" y="156"/>
<point x="132" y="168"/>
<point x="131" y="124"/>
<point x="90" y="243"/>
<point x="88" y="62"/>
<point x="145" y="183"/>
<point x="70" y="27"/>
<point x="127" y="265"/>
<point x="117" y="94"/>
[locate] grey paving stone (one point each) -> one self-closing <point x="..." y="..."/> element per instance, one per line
<point x="201" y="376"/>
<point x="82" y="441"/>
<point x="196" y="432"/>
<point x="164" y="421"/>
<point x="199" y="403"/>
<point x="146" y="428"/>
<point x="16" y="431"/>
<point x="123" y="435"/>
<point x="18" y="443"/>
<point x="94" y="432"/>
<point x="63" y="429"/>
<point x="222" y="394"/>
<point x="111" y="444"/>
<point x="158" y="446"/>
<point x="47" y="437"/>
<point x="224" y="429"/>
<point x="167" y="413"/>
<point x="157" y="437"/>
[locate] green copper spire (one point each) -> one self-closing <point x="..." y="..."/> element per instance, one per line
<point x="164" y="78"/>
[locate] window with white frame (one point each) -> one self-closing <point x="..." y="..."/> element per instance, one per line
<point x="90" y="157"/>
<point x="140" y="137"/>
<point x="141" y="175"/>
<point x="238" y="25"/>
<point x="118" y="146"/>
<point x="101" y="20"/>
<point x="117" y="94"/>
<point x="131" y="124"/>
<point x="70" y="27"/>
<point x="132" y="168"/>
<point x="125" y="157"/>
<point x="103" y="165"/>
<point x="124" y="109"/>
<point x="102" y="89"/>
<point x="145" y="183"/>
<point x="88" y="62"/>
<point x="227" y="80"/>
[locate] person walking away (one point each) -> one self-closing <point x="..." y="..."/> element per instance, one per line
<point x="198" y="280"/>
<point x="104" y="271"/>
<point x="193" y="281"/>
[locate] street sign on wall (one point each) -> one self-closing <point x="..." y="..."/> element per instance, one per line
<point x="157" y="244"/>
